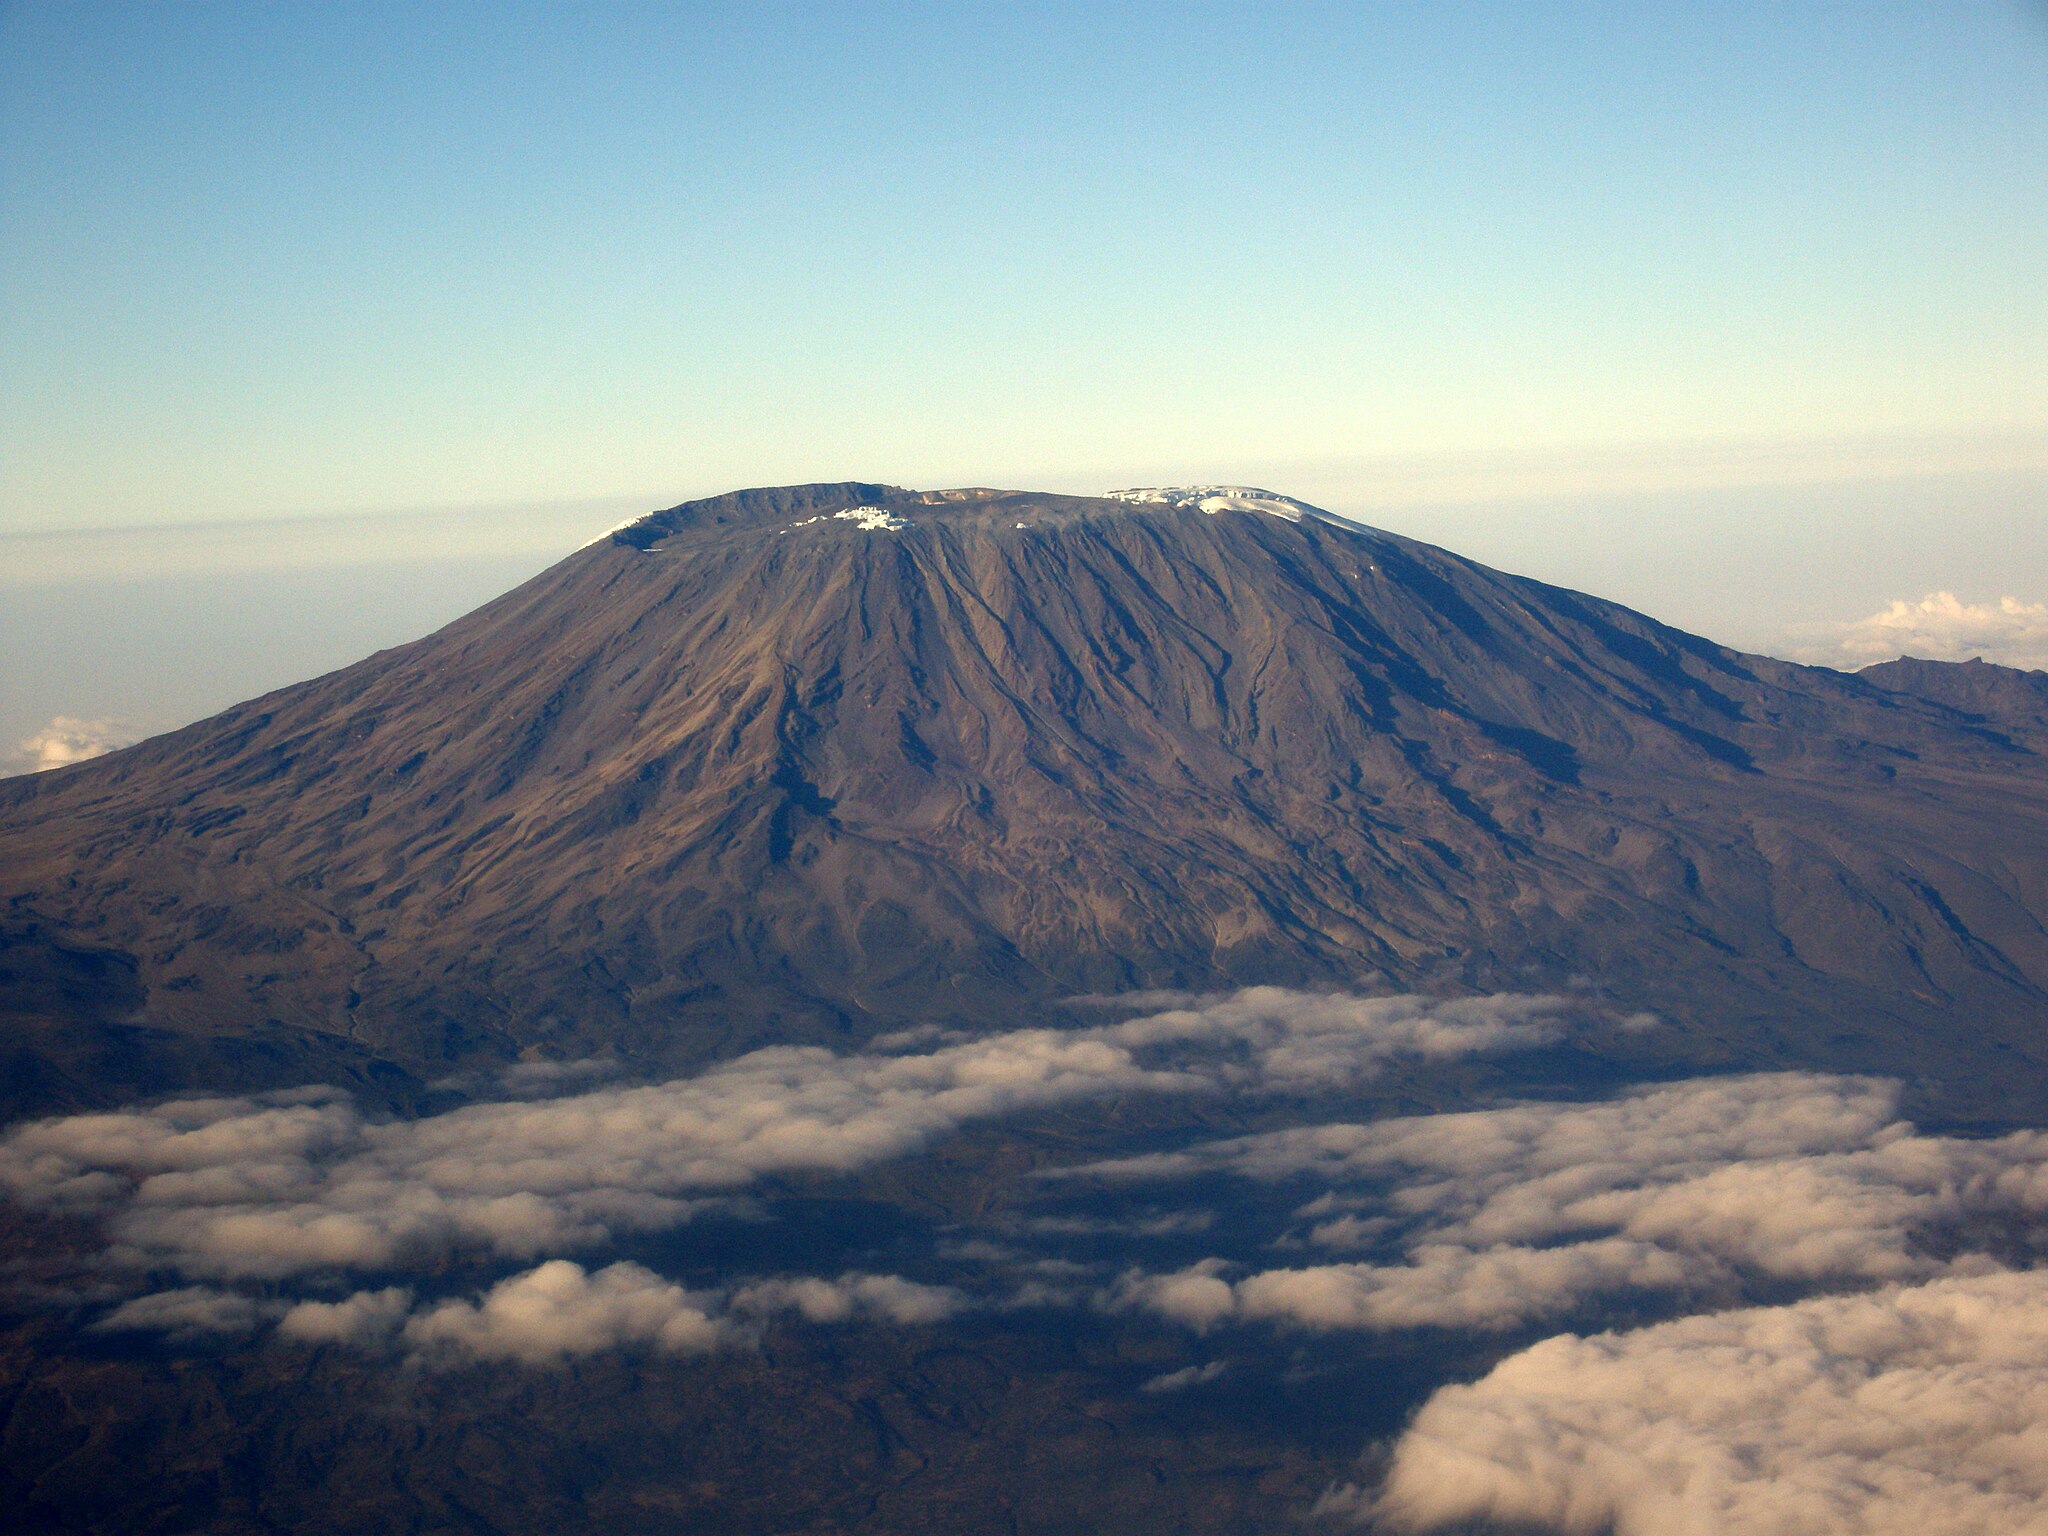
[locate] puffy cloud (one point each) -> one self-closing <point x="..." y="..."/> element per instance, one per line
<point x="1440" y="1287"/>
<point x="561" y="1309"/>
<point x="1942" y="627"/>
<point x="1312" y="1041"/>
<point x="1187" y="1376"/>
<point x="1910" y="1411"/>
<point x="193" y="1315"/>
<point x="880" y="1298"/>
<point x="210" y="1150"/>
<point x="368" y="1320"/>
<point x="271" y="1186"/>
<point x="1483" y="1220"/>
<point x="66" y="740"/>
<point x="1444" y="1286"/>
<point x="1459" y="1158"/>
<point x="1198" y="1296"/>
<point x="255" y="1188"/>
<point x="1499" y="1218"/>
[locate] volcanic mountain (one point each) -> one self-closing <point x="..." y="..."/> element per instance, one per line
<point x="813" y="763"/>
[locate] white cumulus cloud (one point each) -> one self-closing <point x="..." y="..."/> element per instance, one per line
<point x="266" y="1187"/>
<point x="368" y="1320"/>
<point x="67" y="740"/>
<point x="560" y="1309"/>
<point x="1499" y="1218"/>
<point x="190" y="1315"/>
<point x="1942" y="627"/>
<point x="1187" y="1376"/>
<point x="1916" y="1410"/>
<point x="1309" y="1041"/>
<point x="881" y="1298"/>
<point x="274" y="1189"/>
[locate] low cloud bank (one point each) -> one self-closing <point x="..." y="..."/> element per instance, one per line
<point x="1942" y="627"/>
<point x="282" y="1188"/>
<point x="1309" y="1042"/>
<point x="1913" y="1408"/>
<point x="871" y="1298"/>
<point x="542" y="1315"/>
<point x="1441" y="1287"/>
<point x="1187" y="1376"/>
<point x="1918" y="1407"/>
<point x="266" y="1187"/>
<point x="66" y="740"/>
<point x="193" y="1314"/>
<point x="1500" y="1218"/>
<point x="368" y="1319"/>
<point x="561" y="1309"/>
<point x="1911" y="1411"/>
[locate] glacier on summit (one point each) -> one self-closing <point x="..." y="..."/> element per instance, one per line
<point x="868" y="519"/>
<point x="1227" y="498"/>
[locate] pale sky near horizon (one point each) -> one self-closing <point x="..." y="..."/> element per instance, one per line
<point x="1734" y="311"/>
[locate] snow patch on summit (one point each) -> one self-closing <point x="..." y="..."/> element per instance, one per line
<point x="1226" y="498"/>
<point x="620" y="527"/>
<point x="872" y="519"/>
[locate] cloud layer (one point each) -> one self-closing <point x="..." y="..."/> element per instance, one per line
<point x="1499" y="1218"/>
<point x="1911" y="1411"/>
<point x="192" y="1314"/>
<point x="559" y="1309"/>
<point x="542" y="1315"/>
<point x="268" y="1187"/>
<point x="66" y="740"/>
<point x="1911" y="1407"/>
<point x="1942" y="627"/>
<point x="287" y="1188"/>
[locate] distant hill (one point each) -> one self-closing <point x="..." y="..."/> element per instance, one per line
<point x="2006" y="697"/>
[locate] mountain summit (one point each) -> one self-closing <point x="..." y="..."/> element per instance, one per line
<point x="815" y="762"/>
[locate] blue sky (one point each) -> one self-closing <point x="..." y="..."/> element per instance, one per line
<point x="1738" y="312"/>
<point x="270" y="259"/>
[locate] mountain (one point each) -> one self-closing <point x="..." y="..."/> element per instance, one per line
<point x="818" y="762"/>
<point x="835" y="764"/>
